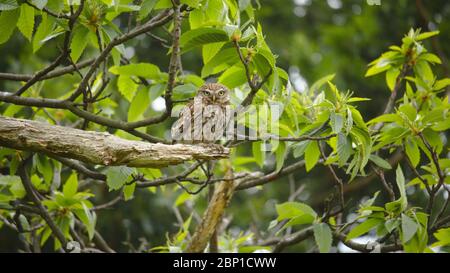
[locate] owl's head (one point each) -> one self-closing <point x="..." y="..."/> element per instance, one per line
<point x="214" y="93"/>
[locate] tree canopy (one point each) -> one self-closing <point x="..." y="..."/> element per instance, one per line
<point x="344" y="108"/>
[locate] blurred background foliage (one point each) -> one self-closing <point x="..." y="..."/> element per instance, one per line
<point x="312" y="38"/>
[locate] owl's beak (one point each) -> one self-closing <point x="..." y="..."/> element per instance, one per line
<point x="214" y="98"/>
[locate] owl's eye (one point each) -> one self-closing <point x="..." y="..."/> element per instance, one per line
<point x="221" y="93"/>
<point x="206" y="93"/>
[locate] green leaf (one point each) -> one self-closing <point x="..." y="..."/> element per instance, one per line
<point x="26" y="21"/>
<point x="344" y="148"/>
<point x="196" y="18"/>
<point x="43" y="30"/>
<point x="386" y="118"/>
<point x="127" y="87"/>
<point x="8" y="21"/>
<point x="401" y="187"/>
<point x="280" y="155"/>
<point x="380" y="162"/>
<point x="210" y="50"/>
<point x="233" y="77"/>
<point x="145" y="70"/>
<point x="8" y="5"/>
<point x="258" y="153"/>
<point x="312" y="154"/>
<point x="441" y="84"/>
<point x="88" y="218"/>
<point x="427" y="35"/>
<point x="303" y="219"/>
<point x="299" y="148"/>
<point x="424" y="71"/>
<point x="289" y="210"/>
<point x="79" y="42"/>
<point x="412" y="151"/>
<point x="201" y="36"/>
<point x="71" y="186"/>
<point x="391" y="224"/>
<point x="363" y="228"/>
<point x="128" y="191"/>
<point x="146" y="7"/>
<point x="40" y="4"/>
<point x="430" y="57"/>
<point x="117" y="176"/>
<point x="182" y="198"/>
<point x="443" y="237"/>
<point x="323" y="237"/>
<point x="336" y="122"/>
<point x="45" y="168"/>
<point x="377" y="69"/>
<point x="221" y="61"/>
<point x="184" y="91"/>
<point x="15" y="185"/>
<point x="409" y="228"/>
<point x="391" y="77"/>
<point x="139" y="105"/>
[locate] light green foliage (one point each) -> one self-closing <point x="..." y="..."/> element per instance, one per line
<point x="225" y="40"/>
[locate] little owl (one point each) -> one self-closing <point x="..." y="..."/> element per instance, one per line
<point x="202" y="120"/>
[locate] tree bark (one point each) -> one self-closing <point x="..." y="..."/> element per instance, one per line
<point x="219" y="201"/>
<point x="99" y="148"/>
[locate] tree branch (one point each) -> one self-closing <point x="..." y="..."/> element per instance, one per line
<point x="31" y="193"/>
<point x="99" y="148"/>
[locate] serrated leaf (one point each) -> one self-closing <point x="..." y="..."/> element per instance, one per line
<point x="258" y="153"/>
<point x="117" y="176"/>
<point x="443" y="237"/>
<point x="344" y="148"/>
<point x="290" y="210"/>
<point x="26" y="21"/>
<point x="409" y="228"/>
<point x="88" y="218"/>
<point x="43" y="30"/>
<point x="391" y="77"/>
<point x="40" y="4"/>
<point x="380" y="162"/>
<point x="441" y="84"/>
<point x="145" y="70"/>
<point x="127" y="87"/>
<point x="70" y="188"/>
<point x="312" y="154"/>
<point x="79" y="42"/>
<point x="400" y="179"/>
<point x="427" y="35"/>
<point x="336" y="122"/>
<point x="323" y="237"/>
<point x="15" y="185"/>
<point x="391" y="224"/>
<point x="412" y="151"/>
<point x="210" y="50"/>
<point x="233" y="77"/>
<point x="299" y="148"/>
<point x="8" y="21"/>
<point x="146" y="7"/>
<point x="280" y="155"/>
<point x="363" y="228"/>
<point x="201" y="36"/>
<point x="430" y="57"/>
<point x="139" y="105"/>
<point x="221" y="61"/>
<point x="128" y="191"/>
<point x="8" y="5"/>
